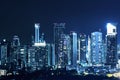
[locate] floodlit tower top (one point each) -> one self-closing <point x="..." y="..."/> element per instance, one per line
<point x="111" y="29"/>
<point x="37" y="25"/>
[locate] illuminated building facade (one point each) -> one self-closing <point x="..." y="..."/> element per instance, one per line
<point x="40" y="57"/>
<point x="22" y="57"/>
<point x="67" y="47"/>
<point x="4" y="52"/>
<point x="111" y="56"/>
<point x="38" y="41"/>
<point x="58" y="40"/>
<point x="88" y="55"/>
<point x="73" y="37"/>
<point x="37" y="34"/>
<point x="83" y="48"/>
<point x="96" y="48"/>
<point x="31" y="62"/>
<point x="50" y="54"/>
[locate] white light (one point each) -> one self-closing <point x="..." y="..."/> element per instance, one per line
<point x="43" y="44"/>
<point x="37" y="25"/>
<point x="4" y="40"/>
<point x="74" y="33"/>
<point x="111" y="29"/>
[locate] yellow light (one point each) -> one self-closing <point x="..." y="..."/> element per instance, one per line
<point x="109" y="75"/>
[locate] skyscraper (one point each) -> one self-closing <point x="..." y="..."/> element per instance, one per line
<point x="111" y="56"/>
<point x="83" y="49"/>
<point x="16" y="41"/>
<point x="88" y="56"/>
<point x="50" y="54"/>
<point x="31" y="62"/>
<point x="37" y="36"/>
<point x="4" y="52"/>
<point x="73" y="36"/>
<point x="38" y="41"/>
<point x="96" y="48"/>
<point x="58" y="32"/>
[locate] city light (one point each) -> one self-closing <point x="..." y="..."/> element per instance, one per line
<point x="41" y="44"/>
<point x="86" y="55"/>
<point x="37" y="25"/>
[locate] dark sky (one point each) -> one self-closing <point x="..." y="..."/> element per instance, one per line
<point x="17" y="17"/>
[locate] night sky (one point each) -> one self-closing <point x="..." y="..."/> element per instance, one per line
<point x="17" y="17"/>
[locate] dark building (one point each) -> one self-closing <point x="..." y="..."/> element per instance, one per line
<point x="111" y="56"/>
<point x="83" y="49"/>
<point x="58" y="32"/>
<point x="50" y="51"/>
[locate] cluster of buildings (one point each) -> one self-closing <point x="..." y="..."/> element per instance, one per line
<point x="68" y="51"/>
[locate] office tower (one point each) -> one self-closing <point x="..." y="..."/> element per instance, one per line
<point x="37" y="36"/>
<point x="73" y="36"/>
<point x="40" y="57"/>
<point x="62" y="56"/>
<point x="16" y="41"/>
<point x="14" y="52"/>
<point x="111" y="56"/>
<point x="4" y="52"/>
<point x="118" y="52"/>
<point x="50" y="54"/>
<point x="96" y="48"/>
<point x="68" y="49"/>
<point x="58" y="31"/>
<point x="104" y="52"/>
<point x="83" y="49"/>
<point x="22" y="57"/>
<point x="88" y="56"/>
<point x="31" y="62"/>
<point x="53" y="54"/>
<point x="39" y="42"/>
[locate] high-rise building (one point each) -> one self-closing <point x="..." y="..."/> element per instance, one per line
<point x="37" y="33"/>
<point x="38" y="41"/>
<point x="96" y="48"/>
<point x="16" y="41"/>
<point x="58" y="32"/>
<point x="63" y="52"/>
<point x="4" y="52"/>
<point x="73" y="36"/>
<point x="111" y="37"/>
<point x="50" y="54"/>
<point x="14" y="52"/>
<point x="22" y="57"/>
<point x="31" y="62"/>
<point x="41" y="57"/>
<point x="83" y="48"/>
<point x="88" y="55"/>
<point x="67" y="47"/>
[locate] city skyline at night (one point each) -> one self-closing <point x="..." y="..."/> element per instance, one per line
<point x="53" y="40"/>
<point x="69" y="51"/>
